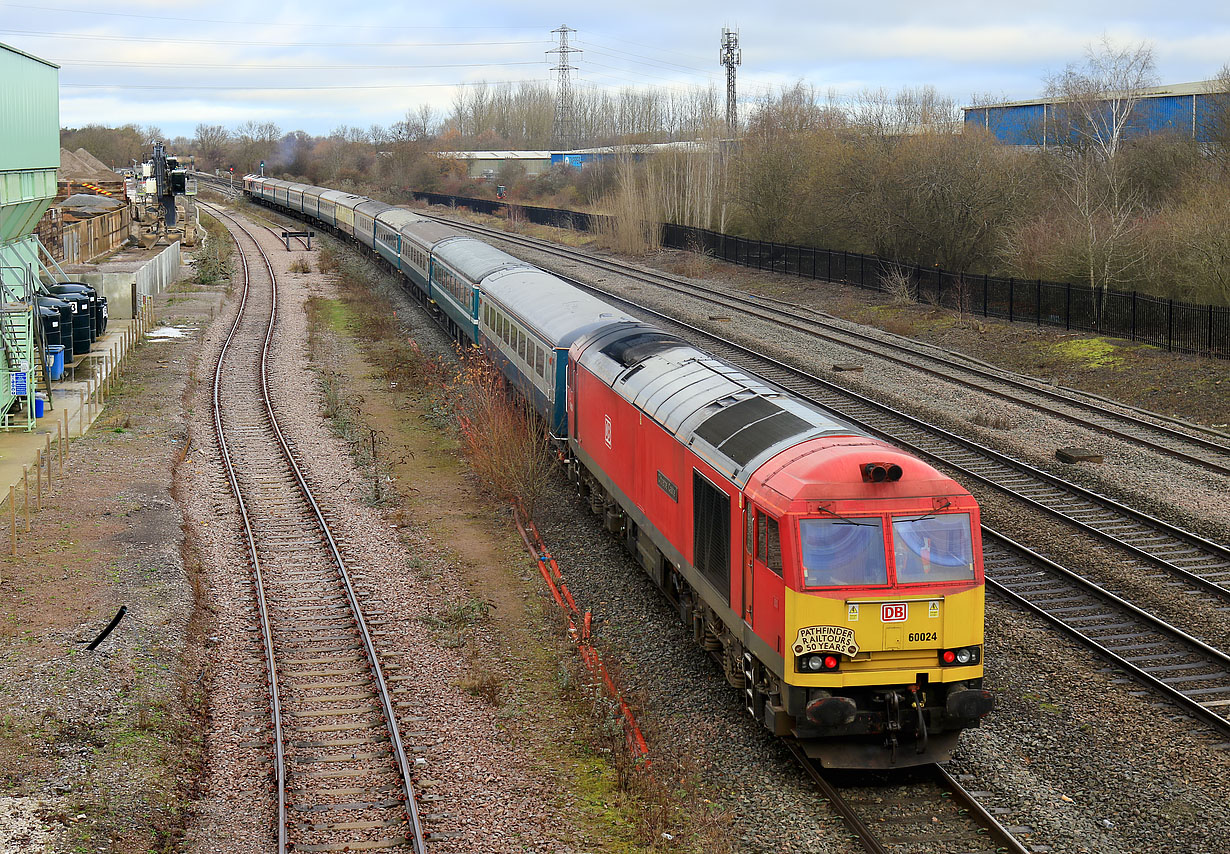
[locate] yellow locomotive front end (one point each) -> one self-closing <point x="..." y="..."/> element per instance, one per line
<point x="882" y="614"/>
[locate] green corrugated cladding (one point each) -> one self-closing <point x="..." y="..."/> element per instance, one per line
<point x="29" y="140"/>
<point x="29" y="112"/>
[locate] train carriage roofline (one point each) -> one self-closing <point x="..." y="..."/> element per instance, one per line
<point x="473" y="259"/>
<point x="557" y="312"/>
<point x="734" y="420"/>
<point x="398" y="218"/>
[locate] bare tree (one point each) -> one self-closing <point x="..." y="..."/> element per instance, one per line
<point x="211" y="142"/>
<point x="1093" y="106"/>
<point x="1216" y="129"/>
<point x="1094" y="103"/>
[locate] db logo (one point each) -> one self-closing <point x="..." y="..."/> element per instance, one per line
<point x="893" y="612"/>
<point x="608" y="433"/>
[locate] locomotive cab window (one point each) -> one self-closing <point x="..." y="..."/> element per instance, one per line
<point x="768" y="542"/>
<point x="843" y="552"/>
<point x="929" y="549"/>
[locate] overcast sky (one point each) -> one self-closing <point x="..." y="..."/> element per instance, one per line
<point x="315" y="64"/>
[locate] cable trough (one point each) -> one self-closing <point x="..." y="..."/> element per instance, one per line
<point x="341" y="773"/>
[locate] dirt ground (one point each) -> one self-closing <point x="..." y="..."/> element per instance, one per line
<point x="100" y="751"/>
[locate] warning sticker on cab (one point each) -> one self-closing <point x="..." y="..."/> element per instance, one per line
<point x="837" y="639"/>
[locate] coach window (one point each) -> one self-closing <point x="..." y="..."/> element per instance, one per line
<point x="521" y="344"/>
<point x="538" y="361"/>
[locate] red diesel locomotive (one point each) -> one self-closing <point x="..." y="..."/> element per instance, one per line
<point x="837" y="579"/>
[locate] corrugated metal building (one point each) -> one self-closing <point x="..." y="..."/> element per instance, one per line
<point x="1184" y="108"/>
<point x="487" y="164"/>
<point x="29" y="144"/>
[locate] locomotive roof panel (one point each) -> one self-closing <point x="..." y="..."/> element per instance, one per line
<point x="474" y="259"/>
<point x="705" y="402"/>
<point x="395" y="218"/>
<point x="427" y="233"/>
<point x="372" y="208"/>
<point x="549" y="305"/>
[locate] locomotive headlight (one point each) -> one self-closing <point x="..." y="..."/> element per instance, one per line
<point x="960" y="656"/>
<point x="818" y="663"/>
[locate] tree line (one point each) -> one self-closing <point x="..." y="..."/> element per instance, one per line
<point x="894" y="174"/>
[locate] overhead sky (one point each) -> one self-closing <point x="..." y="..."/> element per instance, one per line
<point x="313" y="65"/>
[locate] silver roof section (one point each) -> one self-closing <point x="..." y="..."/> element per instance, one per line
<point x="346" y="200"/>
<point x="312" y="190"/>
<point x="427" y="233"/>
<point x="395" y="218"/>
<point x="548" y="305"/>
<point x="474" y="259"/>
<point x="372" y="208"/>
<point x="731" y="419"/>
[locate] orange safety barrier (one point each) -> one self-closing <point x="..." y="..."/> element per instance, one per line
<point x="581" y="637"/>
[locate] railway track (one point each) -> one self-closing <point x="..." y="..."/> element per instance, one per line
<point x="1200" y="446"/>
<point x="224" y="188"/>
<point x="1186" y="670"/>
<point x="341" y="772"/>
<point x="918" y="809"/>
<point x="1200" y="565"/>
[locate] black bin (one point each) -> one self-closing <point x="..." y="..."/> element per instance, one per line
<point x="65" y="310"/>
<point x="83" y="322"/>
<point x="62" y="290"/>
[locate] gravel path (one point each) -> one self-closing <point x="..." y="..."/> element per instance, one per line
<point x="492" y="793"/>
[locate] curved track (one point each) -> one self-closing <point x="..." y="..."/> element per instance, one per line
<point x="340" y="767"/>
<point x="1192" y="443"/>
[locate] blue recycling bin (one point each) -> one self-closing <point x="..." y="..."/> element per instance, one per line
<point x="38" y="407"/>
<point x="55" y="361"/>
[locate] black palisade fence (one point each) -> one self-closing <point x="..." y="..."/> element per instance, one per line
<point x="1177" y="326"/>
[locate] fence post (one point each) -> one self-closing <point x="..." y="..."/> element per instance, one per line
<point x="862" y="271"/>
<point x="1038" y="303"/>
<point x="829" y="273"/>
<point x="986" y="283"/>
<point x="1210" y="329"/>
<point x="1170" y="327"/>
<point x="1011" y="297"/>
<point x="1133" y="315"/>
<point x="1068" y="305"/>
<point x="813" y="264"/>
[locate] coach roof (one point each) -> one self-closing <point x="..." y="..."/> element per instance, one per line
<point x="474" y="259"/>
<point x="549" y="305"/>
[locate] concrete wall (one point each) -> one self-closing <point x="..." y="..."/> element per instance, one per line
<point x="152" y="277"/>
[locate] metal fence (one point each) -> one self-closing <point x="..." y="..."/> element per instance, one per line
<point x="1171" y="324"/>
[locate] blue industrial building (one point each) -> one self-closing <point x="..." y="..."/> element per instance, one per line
<point x="1186" y="109"/>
